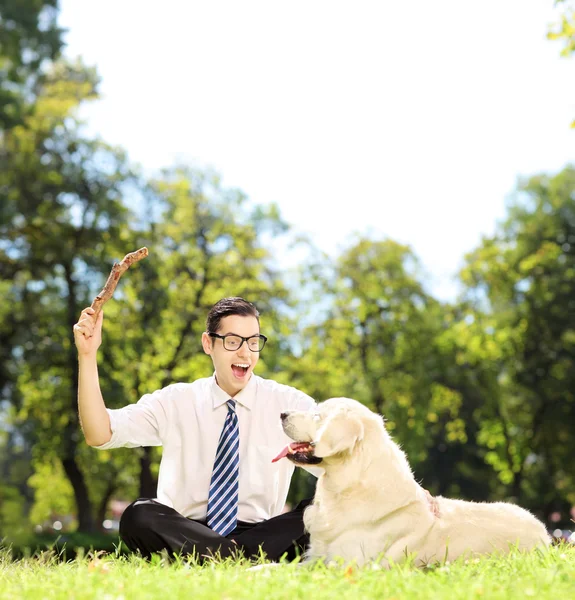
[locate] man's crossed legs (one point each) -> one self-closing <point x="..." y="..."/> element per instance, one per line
<point x="149" y="526"/>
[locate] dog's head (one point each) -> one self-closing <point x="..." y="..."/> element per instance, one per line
<point x="330" y="433"/>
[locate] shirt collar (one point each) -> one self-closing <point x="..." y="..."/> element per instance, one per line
<point x="245" y="397"/>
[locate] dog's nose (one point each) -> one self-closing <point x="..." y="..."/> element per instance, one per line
<point x="284" y="416"/>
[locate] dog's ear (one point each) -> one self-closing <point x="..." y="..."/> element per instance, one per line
<point x="340" y="432"/>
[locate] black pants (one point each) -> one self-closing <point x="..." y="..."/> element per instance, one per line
<point x="149" y="526"/>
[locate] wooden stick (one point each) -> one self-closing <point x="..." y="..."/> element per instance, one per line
<point x="117" y="271"/>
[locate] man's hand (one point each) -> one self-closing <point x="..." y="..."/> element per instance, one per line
<point x="88" y="332"/>
<point x="433" y="504"/>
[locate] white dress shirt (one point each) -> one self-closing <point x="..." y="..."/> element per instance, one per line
<point x="187" y="420"/>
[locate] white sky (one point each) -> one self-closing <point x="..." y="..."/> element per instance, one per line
<point x="411" y="120"/>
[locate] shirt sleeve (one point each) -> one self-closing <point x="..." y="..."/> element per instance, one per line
<point x="140" y="424"/>
<point x="301" y="401"/>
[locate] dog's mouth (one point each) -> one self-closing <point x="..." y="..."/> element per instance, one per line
<point x="299" y="452"/>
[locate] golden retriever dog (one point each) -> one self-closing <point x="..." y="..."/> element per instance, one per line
<point x="369" y="506"/>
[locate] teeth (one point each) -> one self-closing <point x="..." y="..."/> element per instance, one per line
<point x="241" y="365"/>
<point x="306" y="448"/>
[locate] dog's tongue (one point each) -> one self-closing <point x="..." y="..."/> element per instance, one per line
<point x="290" y="449"/>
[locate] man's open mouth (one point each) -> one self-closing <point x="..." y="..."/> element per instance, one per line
<point x="299" y="452"/>
<point x="240" y="369"/>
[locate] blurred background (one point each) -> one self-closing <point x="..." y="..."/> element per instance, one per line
<point x="392" y="186"/>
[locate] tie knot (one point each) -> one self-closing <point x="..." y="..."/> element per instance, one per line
<point x="231" y="405"/>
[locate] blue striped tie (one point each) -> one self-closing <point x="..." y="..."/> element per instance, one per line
<point x="223" y="494"/>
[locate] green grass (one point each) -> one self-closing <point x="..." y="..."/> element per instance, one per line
<point x="538" y="575"/>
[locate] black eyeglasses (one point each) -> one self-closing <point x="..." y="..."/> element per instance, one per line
<point x="234" y="342"/>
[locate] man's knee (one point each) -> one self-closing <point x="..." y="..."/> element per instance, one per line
<point x="136" y="516"/>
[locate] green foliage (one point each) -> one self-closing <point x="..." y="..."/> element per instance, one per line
<point x="61" y="215"/>
<point x="14" y="524"/>
<point x="375" y="341"/>
<point x="564" y="30"/>
<point x="523" y="281"/>
<point x="54" y="496"/>
<point x="29" y="39"/>
<point x="204" y="245"/>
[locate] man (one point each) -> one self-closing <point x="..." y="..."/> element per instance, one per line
<point x="218" y="490"/>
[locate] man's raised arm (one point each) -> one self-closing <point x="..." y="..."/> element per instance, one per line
<point x="94" y="417"/>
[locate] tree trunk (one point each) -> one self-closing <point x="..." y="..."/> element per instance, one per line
<point x="516" y="486"/>
<point x="72" y="430"/>
<point x="101" y="512"/>
<point x="377" y="397"/>
<point x="83" y="504"/>
<point x="148" y="485"/>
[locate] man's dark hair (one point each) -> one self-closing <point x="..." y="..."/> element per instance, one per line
<point x="227" y="307"/>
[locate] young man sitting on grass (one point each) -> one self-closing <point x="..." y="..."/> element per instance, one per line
<point x="218" y="490"/>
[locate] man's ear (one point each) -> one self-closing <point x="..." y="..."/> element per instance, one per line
<point x="339" y="433"/>
<point x="206" y="343"/>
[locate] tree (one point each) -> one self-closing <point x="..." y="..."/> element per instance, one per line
<point x="472" y="353"/>
<point x="30" y="40"/>
<point x="436" y="372"/>
<point x="61" y="217"/>
<point x="524" y="278"/>
<point x="374" y="341"/>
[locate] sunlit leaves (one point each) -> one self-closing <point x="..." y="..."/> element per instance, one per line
<point x="564" y="29"/>
<point x="526" y="273"/>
